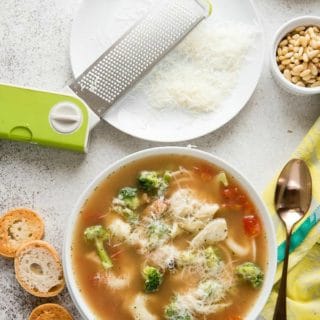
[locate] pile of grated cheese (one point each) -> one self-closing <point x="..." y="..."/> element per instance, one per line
<point x="200" y="72"/>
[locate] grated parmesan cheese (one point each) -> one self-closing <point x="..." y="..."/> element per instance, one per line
<point x="199" y="73"/>
<point x="209" y="297"/>
<point x="190" y="213"/>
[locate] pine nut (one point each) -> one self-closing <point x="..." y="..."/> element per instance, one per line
<point x="313" y="54"/>
<point x="295" y="79"/>
<point x="304" y="41"/>
<point x="305" y="73"/>
<point x="314" y="69"/>
<point x="315" y="44"/>
<point x="305" y="57"/>
<point x="289" y="55"/>
<point x="298" y="56"/>
<point x="287" y="74"/>
<point x="298" y="69"/>
<point x="302" y="28"/>
<point x="307" y="78"/>
<point x="316" y="84"/>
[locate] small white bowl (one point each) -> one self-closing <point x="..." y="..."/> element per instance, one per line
<point x="280" y="34"/>
<point x="70" y="277"/>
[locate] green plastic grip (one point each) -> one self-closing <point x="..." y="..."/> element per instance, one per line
<point x="24" y="116"/>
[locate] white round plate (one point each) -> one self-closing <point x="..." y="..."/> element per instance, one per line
<point x="99" y="23"/>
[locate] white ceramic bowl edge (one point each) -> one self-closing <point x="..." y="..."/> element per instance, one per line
<point x="271" y="239"/>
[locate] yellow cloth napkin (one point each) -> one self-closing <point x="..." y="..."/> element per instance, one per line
<point x="303" y="291"/>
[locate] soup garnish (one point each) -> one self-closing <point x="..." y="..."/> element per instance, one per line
<point x="182" y="242"/>
<point x="98" y="235"/>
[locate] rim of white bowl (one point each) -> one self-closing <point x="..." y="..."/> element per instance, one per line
<point x="78" y="299"/>
<point x="280" y="33"/>
<point x="232" y="115"/>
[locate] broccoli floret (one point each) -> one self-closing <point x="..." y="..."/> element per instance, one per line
<point x="211" y="257"/>
<point x="153" y="183"/>
<point x="132" y="216"/>
<point x="130" y="197"/>
<point x="149" y="181"/>
<point x="152" y="279"/>
<point x="211" y="290"/>
<point x="186" y="258"/>
<point x="250" y="272"/>
<point x="174" y="311"/>
<point x="98" y="234"/>
<point x="207" y="258"/>
<point x="157" y="231"/>
<point x="126" y="204"/>
<point x="167" y="177"/>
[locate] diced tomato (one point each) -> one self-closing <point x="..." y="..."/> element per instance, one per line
<point x="230" y="194"/>
<point x="234" y="198"/>
<point x="241" y="199"/>
<point x="251" y="225"/>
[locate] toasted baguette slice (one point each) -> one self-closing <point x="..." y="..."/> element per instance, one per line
<point x="50" y="311"/>
<point x="38" y="269"/>
<point x="18" y="227"/>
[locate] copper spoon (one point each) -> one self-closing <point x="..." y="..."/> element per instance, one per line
<point x="292" y="201"/>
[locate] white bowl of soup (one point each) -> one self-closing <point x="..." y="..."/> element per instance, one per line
<point x="170" y="233"/>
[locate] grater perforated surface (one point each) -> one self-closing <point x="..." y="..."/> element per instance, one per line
<point x="136" y="52"/>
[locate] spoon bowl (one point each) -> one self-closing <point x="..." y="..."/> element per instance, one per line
<point x="292" y="201"/>
<point x="293" y="192"/>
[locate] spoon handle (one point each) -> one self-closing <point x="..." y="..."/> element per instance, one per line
<point x="280" y="312"/>
<point x="300" y="234"/>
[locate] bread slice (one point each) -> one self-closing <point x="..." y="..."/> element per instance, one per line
<point x="50" y="311"/>
<point x="38" y="269"/>
<point x="16" y="228"/>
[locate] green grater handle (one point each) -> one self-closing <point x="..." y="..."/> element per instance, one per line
<point x="45" y="118"/>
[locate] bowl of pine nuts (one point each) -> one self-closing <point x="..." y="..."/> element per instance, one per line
<point x="295" y="56"/>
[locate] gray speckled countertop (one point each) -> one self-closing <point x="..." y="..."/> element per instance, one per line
<point x="34" y="39"/>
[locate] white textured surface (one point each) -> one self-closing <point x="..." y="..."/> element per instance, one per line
<point x="34" y="52"/>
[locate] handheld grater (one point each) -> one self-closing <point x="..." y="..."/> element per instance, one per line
<point x="65" y="120"/>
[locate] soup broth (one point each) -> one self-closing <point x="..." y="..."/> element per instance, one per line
<point x="158" y="232"/>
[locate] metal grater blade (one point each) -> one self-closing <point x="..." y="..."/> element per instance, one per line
<point x="136" y="52"/>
